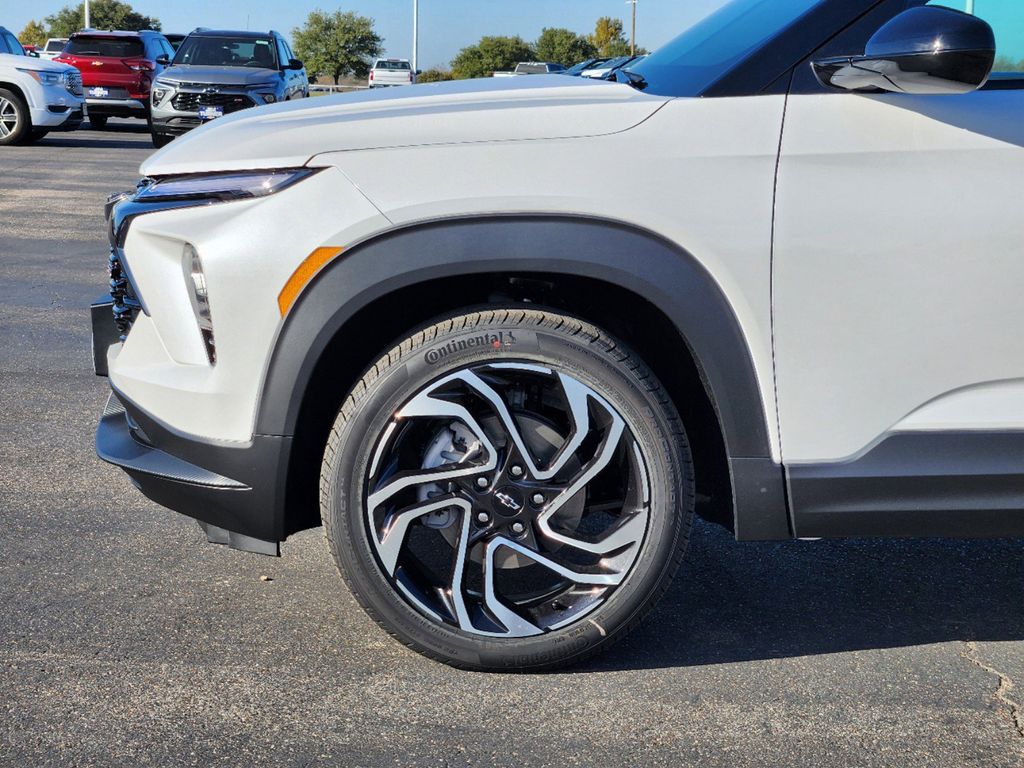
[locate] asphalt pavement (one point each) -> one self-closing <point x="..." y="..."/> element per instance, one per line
<point x="125" y="639"/>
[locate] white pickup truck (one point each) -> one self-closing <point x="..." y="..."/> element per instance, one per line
<point x="532" y="68"/>
<point x="386" y="73"/>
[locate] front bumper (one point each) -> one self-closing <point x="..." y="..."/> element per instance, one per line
<point x="233" y="491"/>
<point x="117" y="107"/>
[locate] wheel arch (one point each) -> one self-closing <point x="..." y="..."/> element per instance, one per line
<point x="387" y="286"/>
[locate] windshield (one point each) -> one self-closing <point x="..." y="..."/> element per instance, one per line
<point x="706" y="51"/>
<point x="384" y="64"/>
<point x="55" y="45"/>
<point x="207" y="51"/>
<point x="105" y="47"/>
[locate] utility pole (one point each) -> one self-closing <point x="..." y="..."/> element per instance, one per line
<point x="632" y="37"/>
<point x="87" y="25"/>
<point x="415" y="37"/>
<point x="970" y="7"/>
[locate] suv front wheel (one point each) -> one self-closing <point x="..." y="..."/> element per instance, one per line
<point x="508" y="489"/>
<point x="15" y="121"/>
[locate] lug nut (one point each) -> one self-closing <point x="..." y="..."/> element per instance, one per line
<point x="483" y="517"/>
<point x="516" y="471"/>
<point x="481" y="482"/>
<point x="538" y="498"/>
<point x="518" y="527"/>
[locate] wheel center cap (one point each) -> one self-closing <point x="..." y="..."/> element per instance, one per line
<point x="508" y="501"/>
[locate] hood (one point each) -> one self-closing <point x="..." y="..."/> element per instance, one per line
<point x="33" y="64"/>
<point x="487" y="110"/>
<point x="219" y="75"/>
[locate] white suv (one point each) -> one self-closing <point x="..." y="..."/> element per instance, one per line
<point x="505" y="390"/>
<point x="36" y="96"/>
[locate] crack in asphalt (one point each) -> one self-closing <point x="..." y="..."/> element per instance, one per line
<point x="1003" y="690"/>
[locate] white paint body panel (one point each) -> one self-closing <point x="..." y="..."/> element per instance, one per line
<point x="899" y="269"/>
<point x="522" y="108"/>
<point x="698" y="172"/>
<point x="249" y="250"/>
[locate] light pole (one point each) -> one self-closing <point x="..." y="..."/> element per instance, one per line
<point x="87" y="25"/>
<point x="632" y="37"/>
<point x="415" y="36"/>
<point x="970" y="7"/>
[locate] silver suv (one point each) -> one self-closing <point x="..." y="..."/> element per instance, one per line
<point x="217" y="72"/>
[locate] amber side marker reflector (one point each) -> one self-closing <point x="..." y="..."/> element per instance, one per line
<point x="300" y="277"/>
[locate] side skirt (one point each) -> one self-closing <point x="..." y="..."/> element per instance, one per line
<point x="957" y="484"/>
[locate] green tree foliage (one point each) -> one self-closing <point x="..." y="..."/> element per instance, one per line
<point x="608" y="38"/>
<point x="103" y="14"/>
<point x="337" y="44"/>
<point x="34" y="33"/>
<point x="491" y="54"/>
<point x="1007" y="64"/>
<point x="435" y="75"/>
<point x="563" y="46"/>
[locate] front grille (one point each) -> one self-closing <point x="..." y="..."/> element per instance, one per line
<point x="73" y="82"/>
<point x="229" y="102"/>
<point x="126" y="300"/>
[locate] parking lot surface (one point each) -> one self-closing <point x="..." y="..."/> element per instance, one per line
<point x="125" y="639"/>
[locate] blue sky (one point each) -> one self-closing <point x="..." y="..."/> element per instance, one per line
<point x="445" y="25"/>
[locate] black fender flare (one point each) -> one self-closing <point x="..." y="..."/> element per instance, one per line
<point x="640" y="261"/>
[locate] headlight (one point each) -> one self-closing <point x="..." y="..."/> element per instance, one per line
<point x="159" y="92"/>
<point x="43" y="78"/>
<point x="195" y="282"/>
<point x="237" y="185"/>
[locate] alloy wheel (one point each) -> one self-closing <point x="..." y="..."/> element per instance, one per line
<point x="506" y="500"/>
<point x="8" y="118"/>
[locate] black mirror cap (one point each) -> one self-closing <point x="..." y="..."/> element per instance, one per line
<point x="925" y="50"/>
<point x="931" y="30"/>
<point x="294" y="64"/>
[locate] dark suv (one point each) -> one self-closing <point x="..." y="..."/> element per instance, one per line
<point x="216" y="72"/>
<point x="117" y="70"/>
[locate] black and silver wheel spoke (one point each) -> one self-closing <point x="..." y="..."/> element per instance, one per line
<point x="8" y="117"/>
<point x="507" y="500"/>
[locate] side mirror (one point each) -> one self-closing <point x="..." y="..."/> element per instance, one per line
<point x="294" y="64"/>
<point x="34" y="54"/>
<point x="163" y="60"/>
<point x="927" y="50"/>
<point x="419" y="71"/>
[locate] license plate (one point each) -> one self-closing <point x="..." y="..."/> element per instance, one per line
<point x="99" y="93"/>
<point x="209" y="113"/>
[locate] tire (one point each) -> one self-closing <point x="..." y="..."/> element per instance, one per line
<point x="15" y="120"/>
<point x="98" y="122"/>
<point x="161" y="139"/>
<point x="553" y="373"/>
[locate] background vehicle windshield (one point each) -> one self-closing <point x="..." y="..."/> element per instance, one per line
<point x="106" y="47"/>
<point x="706" y="51"/>
<point x="207" y="51"/>
<point x="55" y="45"/>
<point x="392" y="65"/>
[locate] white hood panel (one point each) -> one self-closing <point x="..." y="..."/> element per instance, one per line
<point x="468" y="111"/>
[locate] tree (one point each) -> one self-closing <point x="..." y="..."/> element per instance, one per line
<point x="103" y="14"/>
<point x="434" y="75"/>
<point x="34" y="33"/>
<point x="490" y="55"/>
<point x="337" y="44"/>
<point x="607" y="37"/>
<point x="563" y="46"/>
<point x="1008" y="64"/>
